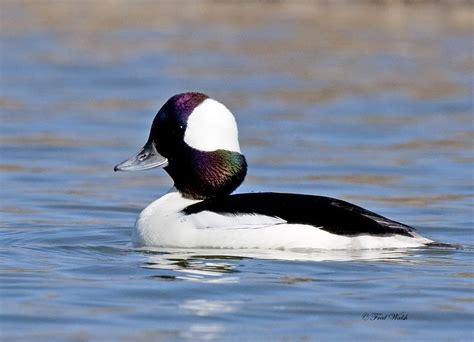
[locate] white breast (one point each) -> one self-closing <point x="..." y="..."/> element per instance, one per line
<point x="162" y="224"/>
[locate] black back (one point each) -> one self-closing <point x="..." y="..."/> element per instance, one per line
<point x="330" y="214"/>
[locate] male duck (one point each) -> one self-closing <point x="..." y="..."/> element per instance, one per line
<point x="195" y="139"/>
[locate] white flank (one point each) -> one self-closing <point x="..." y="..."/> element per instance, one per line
<point x="162" y="224"/>
<point x="211" y="126"/>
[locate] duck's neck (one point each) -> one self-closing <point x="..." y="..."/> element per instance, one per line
<point x="202" y="175"/>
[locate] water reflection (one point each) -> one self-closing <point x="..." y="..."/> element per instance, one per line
<point x="207" y="307"/>
<point x="222" y="265"/>
<point x="197" y="266"/>
<point x="202" y="331"/>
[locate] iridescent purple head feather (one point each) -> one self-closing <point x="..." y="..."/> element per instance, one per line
<point x="178" y="108"/>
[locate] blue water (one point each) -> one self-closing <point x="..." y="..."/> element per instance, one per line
<point x="371" y="105"/>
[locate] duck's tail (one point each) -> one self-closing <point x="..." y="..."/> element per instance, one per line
<point x="435" y="244"/>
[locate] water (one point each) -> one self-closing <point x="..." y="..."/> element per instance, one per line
<point x="372" y="104"/>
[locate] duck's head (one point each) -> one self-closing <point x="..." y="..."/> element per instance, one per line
<point x="195" y="139"/>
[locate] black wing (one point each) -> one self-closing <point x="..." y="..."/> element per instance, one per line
<point x="330" y="214"/>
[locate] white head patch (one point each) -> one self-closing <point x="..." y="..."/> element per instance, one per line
<point x="211" y="126"/>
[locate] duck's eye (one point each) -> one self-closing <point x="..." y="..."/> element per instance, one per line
<point x="143" y="156"/>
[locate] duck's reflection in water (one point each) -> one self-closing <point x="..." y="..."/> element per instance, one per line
<point x="193" y="265"/>
<point x="222" y="265"/>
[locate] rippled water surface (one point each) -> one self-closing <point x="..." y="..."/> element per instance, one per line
<point x="371" y="104"/>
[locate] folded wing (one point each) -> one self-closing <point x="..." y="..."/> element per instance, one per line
<point x="330" y="214"/>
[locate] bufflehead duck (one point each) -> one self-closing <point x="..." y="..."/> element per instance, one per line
<point x="195" y="139"/>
